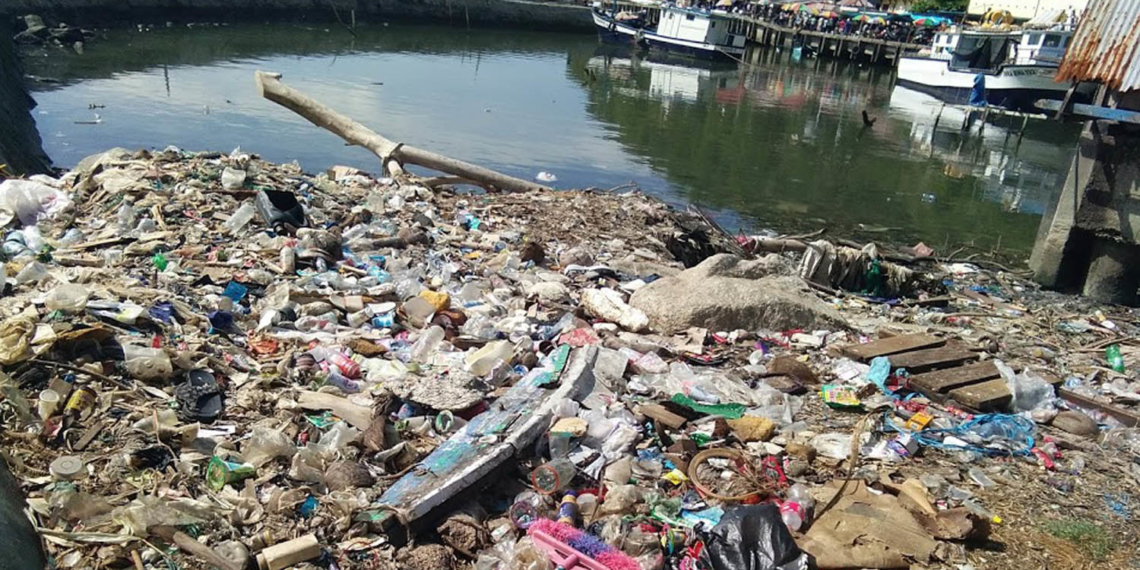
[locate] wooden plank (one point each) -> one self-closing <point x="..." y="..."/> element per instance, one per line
<point x="892" y="345"/>
<point x="989" y="396"/>
<point x="920" y="360"/>
<point x="942" y="381"/>
<point x="658" y="413"/>
<point x="1125" y="417"/>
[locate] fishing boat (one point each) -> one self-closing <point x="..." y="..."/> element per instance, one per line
<point x="1012" y="68"/>
<point x="688" y="31"/>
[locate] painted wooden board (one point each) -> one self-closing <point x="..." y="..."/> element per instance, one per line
<point x="892" y="345"/>
<point x="925" y="359"/>
<point x="988" y="396"/>
<point x="942" y="381"/>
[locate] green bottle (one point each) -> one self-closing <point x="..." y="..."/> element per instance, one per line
<point x="1115" y="360"/>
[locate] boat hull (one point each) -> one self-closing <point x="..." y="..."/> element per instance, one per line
<point x="614" y="32"/>
<point x="1014" y="87"/>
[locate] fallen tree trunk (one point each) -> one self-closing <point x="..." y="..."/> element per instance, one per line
<point x="392" y="155"/>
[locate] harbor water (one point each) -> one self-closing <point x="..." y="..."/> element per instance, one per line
<point x="774" y="144"/>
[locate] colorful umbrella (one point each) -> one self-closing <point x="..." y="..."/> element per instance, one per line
<point x="927" y="21"/>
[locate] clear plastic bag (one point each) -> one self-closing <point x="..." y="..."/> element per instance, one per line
<point x="265" y="445"/>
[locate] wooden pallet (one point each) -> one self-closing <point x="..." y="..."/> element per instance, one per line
<point x="942" y="370"/>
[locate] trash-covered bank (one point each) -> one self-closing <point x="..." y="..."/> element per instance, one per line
<point x="213" y="361"/>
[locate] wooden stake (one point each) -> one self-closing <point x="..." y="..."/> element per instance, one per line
<point x="392" y="154"/>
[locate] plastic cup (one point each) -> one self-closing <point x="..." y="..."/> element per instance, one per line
<point x="48" y="403"/>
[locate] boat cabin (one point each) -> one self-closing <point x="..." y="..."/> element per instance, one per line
<point x="695" y="26"/>
<point x="1043" y="46"/>
<point x="970" y="50"/>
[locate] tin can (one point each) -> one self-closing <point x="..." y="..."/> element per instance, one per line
<point x="384" y="321"/>
<point x="82" y="401"/>
<point x="347" y="366"/>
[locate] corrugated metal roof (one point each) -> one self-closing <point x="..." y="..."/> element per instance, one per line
<point x="1106" y="47"/>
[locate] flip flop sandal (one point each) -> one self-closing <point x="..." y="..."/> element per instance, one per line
<point x="199" y="397"/>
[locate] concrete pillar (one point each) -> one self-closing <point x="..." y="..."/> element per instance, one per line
<point x="1113" y="273"/>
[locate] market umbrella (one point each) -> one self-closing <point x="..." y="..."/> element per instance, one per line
<point x="792" y="7"/>
<point x="724" y="3"/>
<point x="927" y="21"/>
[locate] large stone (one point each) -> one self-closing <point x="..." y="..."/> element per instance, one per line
<point x="726" y="293"/>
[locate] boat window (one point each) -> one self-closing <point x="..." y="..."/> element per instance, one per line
<point x="1034" y="39"/>
<point x="690" y="17"/>
<point x="712" y="24"/>
<point x="1052" y="40"/>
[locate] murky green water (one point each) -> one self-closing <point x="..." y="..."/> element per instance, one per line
<point x="779" y="144"/>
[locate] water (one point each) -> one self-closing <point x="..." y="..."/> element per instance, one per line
<point x="779" y="144"/>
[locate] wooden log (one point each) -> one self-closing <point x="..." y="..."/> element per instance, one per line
<point x="269" y="85"/>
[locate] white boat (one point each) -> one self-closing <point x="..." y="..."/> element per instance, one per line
<point x="687" y="31"/>
<point x="1015" y="68"/>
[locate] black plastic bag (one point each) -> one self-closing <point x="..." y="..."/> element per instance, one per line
<point x="753" y="537"/>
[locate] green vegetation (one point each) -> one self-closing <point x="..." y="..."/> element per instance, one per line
<point x="1089" y="538"/>
<point x="939" y="5"/>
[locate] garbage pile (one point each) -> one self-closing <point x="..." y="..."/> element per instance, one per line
<point x="214" y="361"/>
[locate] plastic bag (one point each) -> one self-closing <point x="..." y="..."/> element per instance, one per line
<point x="752" y="538"/>
<point x="68" y="297"/>
<point x="31" y="201"/>
<point x="265" y="445"/>
<point x="608" y="304"/>
<point x="1030" y="392"/>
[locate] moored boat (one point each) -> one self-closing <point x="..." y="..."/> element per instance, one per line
<point x="696" y="33"/>
<point x="1010" y="69"/>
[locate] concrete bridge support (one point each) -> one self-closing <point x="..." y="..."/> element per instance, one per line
<point x="1089" y="239"/>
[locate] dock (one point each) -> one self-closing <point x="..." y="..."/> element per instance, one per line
<point x="764" y="33"/>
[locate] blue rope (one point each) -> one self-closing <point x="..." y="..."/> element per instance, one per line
<point x="1007" y="426"/>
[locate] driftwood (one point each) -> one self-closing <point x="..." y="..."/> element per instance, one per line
<point x="393" y="155"/>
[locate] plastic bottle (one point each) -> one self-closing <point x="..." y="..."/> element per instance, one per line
<point x="484" y="360"/>
<point x="978" y="476"/>
<point x="32" y="273"/>
<point x="1114" y="358"/>
<point x="347" y="385"/>
<point x="426" y="345"/>
<point x="553" y="476"/>
<point x="126" y="218"/>
<point x="793" y="515"/>
<point x="240" y="218"/>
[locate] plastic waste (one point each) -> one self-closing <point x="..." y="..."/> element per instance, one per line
<point x="1030" y="391"/>
<point x="980" y="478"/>
<point x="233" y="178"/>
<point x="426" y="345"/>
<point x="752" y="537"/>
<point x="792" y="513"/>
<point x="33" y="272"/>
<point x="481" y="362"/>
<point x="1113" y="357"/>
<point x="553" y="476"/>
<point x="31" y="201"/>
<point x="147" y="364"/>
<point x="265" y="445"/>
<point x="68" y="297"/>
<point x="240" y="218"/>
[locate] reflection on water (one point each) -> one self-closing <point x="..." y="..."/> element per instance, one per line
<point x="774" y="144"/>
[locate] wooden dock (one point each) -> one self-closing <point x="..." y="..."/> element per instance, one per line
<point x="762" y="32"/>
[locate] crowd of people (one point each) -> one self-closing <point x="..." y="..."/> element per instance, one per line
<point x="842" y="23"/>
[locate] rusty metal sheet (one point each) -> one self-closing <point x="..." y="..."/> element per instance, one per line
<point x="1106" y="46"/>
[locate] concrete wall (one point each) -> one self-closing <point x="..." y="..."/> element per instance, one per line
<point x="546" y="15"/>
<point x="19" y="140"/>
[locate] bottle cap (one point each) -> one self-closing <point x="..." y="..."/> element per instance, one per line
<point x="66" y="468"/>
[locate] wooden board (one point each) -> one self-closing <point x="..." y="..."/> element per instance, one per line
<point x="926" y="359"/>
<point x="942" y="381"/>
<point x="892" y="345"/>
<point x="1125" y="417"/>
<point x="988" y="396"/>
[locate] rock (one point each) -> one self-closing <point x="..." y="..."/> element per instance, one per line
<point x="549" y="292"/>
<point x="533" y="251"/>
<point x="790" y="366"/>
<point x="1075" y="422"/>
<point x="797" y="468"/>
<point x="752" y="428"/>
<point x="347" y="474"/>
<point x="426" y="557"/>
<point x="725" y="292"/>
<point x="575" y="256"/>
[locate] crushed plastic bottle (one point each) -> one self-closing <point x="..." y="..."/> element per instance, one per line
<point x="240" y="218"/>
<point x="1114" y="358"/>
